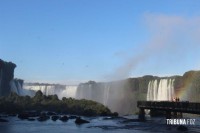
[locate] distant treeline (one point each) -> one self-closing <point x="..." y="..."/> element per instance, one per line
<point x="17" y="104"/>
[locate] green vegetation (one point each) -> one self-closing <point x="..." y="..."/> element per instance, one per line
<point x="17" y="104"/>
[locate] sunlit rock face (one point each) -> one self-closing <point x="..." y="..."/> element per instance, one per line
<point x="6" y="75"/>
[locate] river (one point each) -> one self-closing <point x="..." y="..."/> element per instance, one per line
<point x="96" y="125"/>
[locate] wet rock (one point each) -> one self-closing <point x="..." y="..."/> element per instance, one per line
<point x="51" y="113"/>
<point x="31" y="119"/>
<point x="33" y="113"/>
<point x="115" y="114"/>
<point x="64" y="118"/>
<point x="43" y="117"/>
<point x="26" y="115"/>
<point x="81" y="121"/>
<point x="182" y="128"/>
<point x="23" y="116"/>
<point x="73" y="117"/>
<point x="3" y="120"/>
<point x="55" y="117"/>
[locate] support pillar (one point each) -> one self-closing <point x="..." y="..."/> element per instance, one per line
<point x="141" y="115"/>
<point x="168" y="115"/>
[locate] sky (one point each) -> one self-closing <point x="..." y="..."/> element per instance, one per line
<point x="74" y="41"/>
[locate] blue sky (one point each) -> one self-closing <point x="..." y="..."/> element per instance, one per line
<point x="72" y="41"/>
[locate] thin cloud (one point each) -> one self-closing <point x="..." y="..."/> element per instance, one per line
<point x="172" y="38"/>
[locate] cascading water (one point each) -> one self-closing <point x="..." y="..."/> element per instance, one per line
<point x="106" y="94"/>
<point x="160" y="90"/>
<point x="59" y="90"/>
<point x="94" y="91"/>
<point x="69" y="91"/>
<point x="16" y="86"/>
<point x="114" y="95"/>
<point x="111" y="94"/>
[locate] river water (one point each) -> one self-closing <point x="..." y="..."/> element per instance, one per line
<point x="96" y="125"/>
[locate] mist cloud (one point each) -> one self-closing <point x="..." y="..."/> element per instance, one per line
<point x="172" y="38"/>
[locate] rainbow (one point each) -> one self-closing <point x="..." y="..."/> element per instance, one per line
<point x="185" y="89"/>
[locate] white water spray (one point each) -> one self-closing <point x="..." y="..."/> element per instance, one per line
<point x="60" y="90"/>
<point x="162" y="90"/>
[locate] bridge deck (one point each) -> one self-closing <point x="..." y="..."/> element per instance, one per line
<point x="184" y="107"/>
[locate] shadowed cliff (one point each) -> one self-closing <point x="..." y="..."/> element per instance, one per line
<point x="6" y="75"/>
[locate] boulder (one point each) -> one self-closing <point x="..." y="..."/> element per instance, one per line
<point x="115" y="114"/>
<point x="55" y="117"/>
<point x="72" y="117"/>
<point x="64" y="118"/>
<point x="27" y="114"/>
<point x="81" y="121"/>
<point x="43" y="117"/>
<point x="51" y="113"/>
<point x="23" y="116"/>
<point x="3" y="120"/>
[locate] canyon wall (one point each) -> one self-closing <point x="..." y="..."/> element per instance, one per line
<point x="6" y="76"/>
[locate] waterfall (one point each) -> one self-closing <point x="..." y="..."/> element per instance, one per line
<point x="60" y="90"/>
<point x="94" y="91"/>
<point x="106" y="94"/>
<point x="16" y="86"/>
<point x="160" y="90"/>
<point x="114" y="95"/>
<point x="69" y="91"/>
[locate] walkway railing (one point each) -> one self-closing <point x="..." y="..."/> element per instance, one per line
<point x="184" y="107"/>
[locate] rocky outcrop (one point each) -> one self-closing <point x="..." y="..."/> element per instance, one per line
<point x="79" y="121"/>
<point x="6" y="75"/>
<point x="190" y="86"/>
<point x="64" y="118"/>
<point x="55" y="117"/>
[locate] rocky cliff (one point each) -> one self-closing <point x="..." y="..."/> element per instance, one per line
<point x="6" y="75"/>
<point x="122" y="96"/>
<point x="189" y="86"/>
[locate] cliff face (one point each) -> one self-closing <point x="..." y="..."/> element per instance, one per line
<point x="122" y="96"/>
<point x="190" y="86"/>
<point x="119" y="96"/>
<point x="6" y="75"/>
